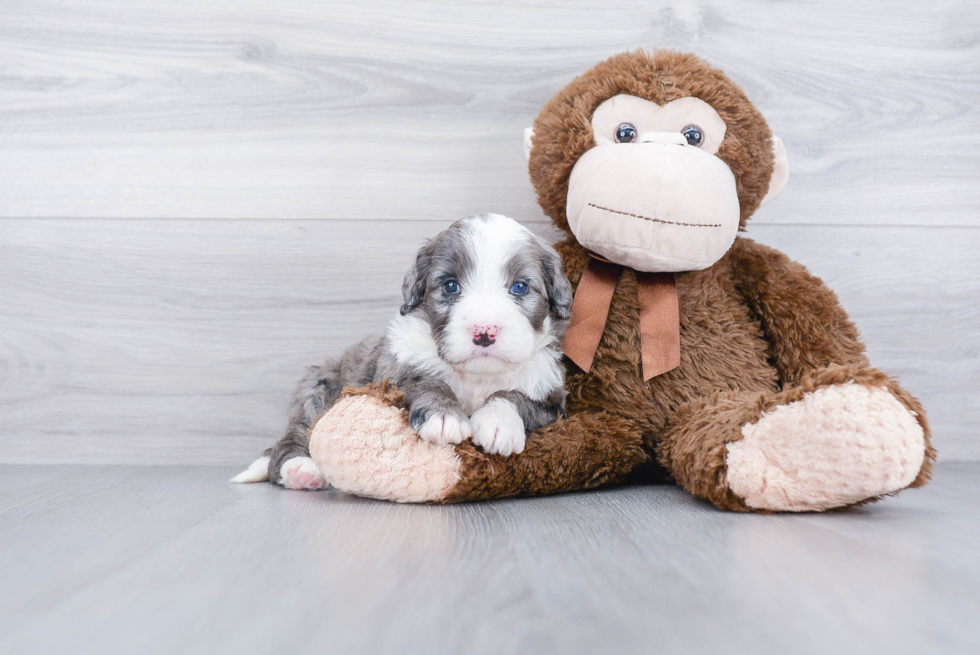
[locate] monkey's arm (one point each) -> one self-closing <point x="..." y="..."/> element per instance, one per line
<point x="365" y="446"/>
<point x="803" y="321"/>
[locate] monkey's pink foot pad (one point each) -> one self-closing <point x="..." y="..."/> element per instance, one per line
<point x="365" y="446"/>
<point x="837" y="446"/>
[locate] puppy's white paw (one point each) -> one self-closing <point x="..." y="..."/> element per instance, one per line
<point x="442" y="429"/>
<point x="498" y="428"/>
<point x="257" y="471"/>
<point x="301" y="473"/>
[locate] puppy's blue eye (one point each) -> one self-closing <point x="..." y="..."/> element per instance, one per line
<point x="519" y="289"/>
<point x="451" y="287"/>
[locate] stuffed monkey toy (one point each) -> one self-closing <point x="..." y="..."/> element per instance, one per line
<point x="692" y="351"/>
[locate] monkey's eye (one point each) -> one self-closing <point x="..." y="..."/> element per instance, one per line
<point x="519" y="288"/>
<point x="626" y="133"/>
<point x="451" y="287"/>
<point x="694" y="135"/>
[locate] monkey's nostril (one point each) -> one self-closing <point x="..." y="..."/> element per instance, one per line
<point x="484" y="339"/>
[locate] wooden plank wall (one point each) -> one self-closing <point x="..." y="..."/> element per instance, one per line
<point x="199" y="198"/>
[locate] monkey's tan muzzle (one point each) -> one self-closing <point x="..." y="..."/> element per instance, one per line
<point x="658" y="205"/>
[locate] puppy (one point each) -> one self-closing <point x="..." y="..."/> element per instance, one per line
<point x="476" y="349"/>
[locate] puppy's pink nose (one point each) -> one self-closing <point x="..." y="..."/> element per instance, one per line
<point x="484" y="335"/>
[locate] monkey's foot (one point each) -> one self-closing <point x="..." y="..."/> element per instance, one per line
<point x="837" y="446"/>
<point x="365" y="446"/>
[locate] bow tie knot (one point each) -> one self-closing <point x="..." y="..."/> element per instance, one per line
<point x="660" y="339"/>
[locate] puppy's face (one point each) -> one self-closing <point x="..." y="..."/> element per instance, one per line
<point x="492" y="292"/>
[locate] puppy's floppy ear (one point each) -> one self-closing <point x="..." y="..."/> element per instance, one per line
<point x="558" y="286"/>
<point x="413" y="288"/>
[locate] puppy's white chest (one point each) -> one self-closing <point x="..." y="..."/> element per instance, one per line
<point x="473" y="390"/>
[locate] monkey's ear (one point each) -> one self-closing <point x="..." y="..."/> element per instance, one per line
<point x="528" y="135"/>
<point x="780" y="170"/>
<point x="413" y="287"/>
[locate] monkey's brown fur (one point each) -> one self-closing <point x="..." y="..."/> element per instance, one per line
<point x="757" y="330"/>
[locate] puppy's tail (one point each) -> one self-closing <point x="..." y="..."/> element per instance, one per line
<point x="257" y="471"/>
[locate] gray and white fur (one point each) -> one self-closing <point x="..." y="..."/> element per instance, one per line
<point x="476" y="349"/>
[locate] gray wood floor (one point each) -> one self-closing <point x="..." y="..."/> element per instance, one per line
<point x="126" y="559"/>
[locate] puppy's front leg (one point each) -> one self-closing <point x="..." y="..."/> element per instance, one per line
<point x="501" y="426"/>
<point x="434" y="412"/>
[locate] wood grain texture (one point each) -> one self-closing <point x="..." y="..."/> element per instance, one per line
<point x="388" y="109"/>
<point x="175" y="560"/>
<point x="180" y="341"/>
<point x="176" y="338"/>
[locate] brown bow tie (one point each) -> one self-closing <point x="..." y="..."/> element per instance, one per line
<point x="660" y="335"/>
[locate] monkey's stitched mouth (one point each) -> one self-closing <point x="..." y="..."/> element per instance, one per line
<point x="655" y="220"/>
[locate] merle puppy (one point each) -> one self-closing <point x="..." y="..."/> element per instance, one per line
<point x="476" y="348"/>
